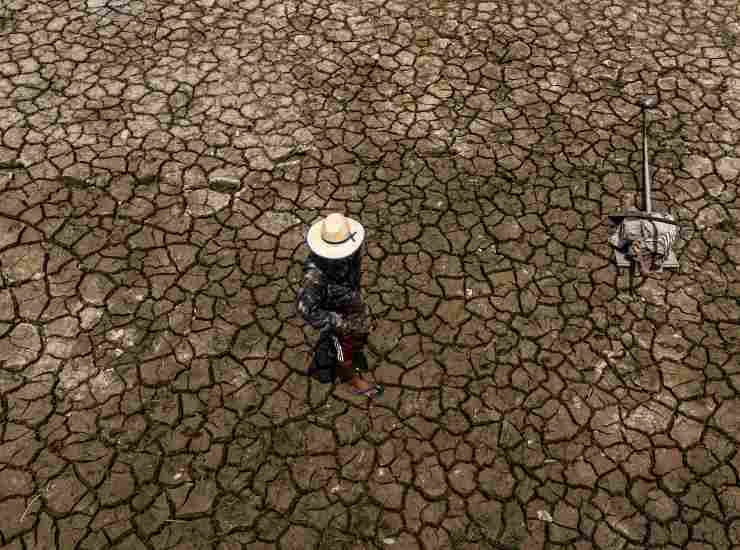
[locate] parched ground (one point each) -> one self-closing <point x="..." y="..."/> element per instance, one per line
<point x="159" y="164"/>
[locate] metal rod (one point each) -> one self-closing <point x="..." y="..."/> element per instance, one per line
<point x="646" y="103"/>
<point x="645" y="164"/>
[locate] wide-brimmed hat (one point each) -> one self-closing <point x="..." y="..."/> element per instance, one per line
<point x="335" y="236"/>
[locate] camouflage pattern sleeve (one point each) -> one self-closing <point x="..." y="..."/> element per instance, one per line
<point x="310" y="303"/>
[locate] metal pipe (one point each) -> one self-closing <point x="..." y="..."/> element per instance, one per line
<point x="647" y="203"/>
<point x="646" y="103"/>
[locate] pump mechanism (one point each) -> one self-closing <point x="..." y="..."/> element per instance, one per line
<point x="643" y="237"/>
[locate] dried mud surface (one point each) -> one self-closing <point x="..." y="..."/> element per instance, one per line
<point x="159" y="164"/>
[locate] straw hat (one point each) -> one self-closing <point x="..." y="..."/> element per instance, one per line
<point x="335" y="236"/>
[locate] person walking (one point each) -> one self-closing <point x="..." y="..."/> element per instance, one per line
<point x="330" y="301"/>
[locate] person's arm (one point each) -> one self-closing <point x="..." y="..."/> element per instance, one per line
<point x="310" y="303"/>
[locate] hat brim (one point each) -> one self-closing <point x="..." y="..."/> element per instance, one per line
<point x="335" y="251"/>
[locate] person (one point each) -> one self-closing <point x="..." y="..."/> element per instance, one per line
<point x="330" y="301"/>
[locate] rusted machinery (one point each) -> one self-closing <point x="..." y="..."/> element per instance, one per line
<point x="645" y="238"/>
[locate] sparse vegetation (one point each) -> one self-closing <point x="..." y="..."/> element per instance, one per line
<point x="728" y="38"/>
<point x="7" y="17"/>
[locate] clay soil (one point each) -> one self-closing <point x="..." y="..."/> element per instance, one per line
<point x="160" y="163"/>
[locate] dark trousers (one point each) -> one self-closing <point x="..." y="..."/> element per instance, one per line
<point x="336" y="356"/>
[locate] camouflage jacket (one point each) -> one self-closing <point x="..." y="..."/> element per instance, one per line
<point x="330" y="298"/>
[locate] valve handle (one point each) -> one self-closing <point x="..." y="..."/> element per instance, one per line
<point x="648" y="102"/>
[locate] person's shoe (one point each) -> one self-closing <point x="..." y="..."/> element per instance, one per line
<point x="375" y="390"/>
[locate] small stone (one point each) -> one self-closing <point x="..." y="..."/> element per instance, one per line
<point x="544" y="515"/>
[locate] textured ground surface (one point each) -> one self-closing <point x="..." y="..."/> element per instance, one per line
<point x="152" y="387"/>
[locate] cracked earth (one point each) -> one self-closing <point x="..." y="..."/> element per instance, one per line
<point x="159" y="165"/>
